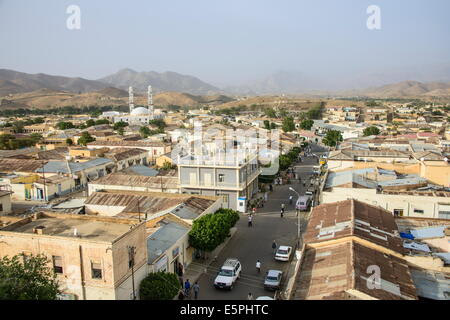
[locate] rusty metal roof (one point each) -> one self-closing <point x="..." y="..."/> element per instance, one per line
<point x="124" y="153"/>
<point x="335" y="269"/>
<point x="353" y="218"/>
<point x="20" y="165"/>
<point x="120" y="179"/>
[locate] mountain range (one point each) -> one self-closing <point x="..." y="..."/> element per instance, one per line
<point x="116" y="86"/>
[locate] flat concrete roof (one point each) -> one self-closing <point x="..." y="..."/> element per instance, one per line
<point x="87" y="229"/>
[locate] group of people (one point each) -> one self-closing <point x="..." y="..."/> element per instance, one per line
<point x="187" y="290"/>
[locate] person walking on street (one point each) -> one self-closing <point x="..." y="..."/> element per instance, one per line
<point x="282" y="213"/>
<point x="254" y="210"/>
<point x="196" y="289"/>
<point x="270" y="187"/>
<point x="258" y="266"/>
<point x="250" y="296"/>
<point x="274" y="247"/>
<point x="290" y="199"/>
<point x="187" y="288"/>
<point x="250" y="221"/>
<point x="181" y="295"/>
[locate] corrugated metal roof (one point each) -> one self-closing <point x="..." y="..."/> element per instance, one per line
<point x="142" y="171"/>
<point x="61" y="166"/>
<point x="164" y="238"/>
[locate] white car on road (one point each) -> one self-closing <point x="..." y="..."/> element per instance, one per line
<point x="228" y="274"/>
<point x="284" y="253"/>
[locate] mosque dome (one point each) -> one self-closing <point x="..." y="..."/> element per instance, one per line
<point x="139" y="111"/>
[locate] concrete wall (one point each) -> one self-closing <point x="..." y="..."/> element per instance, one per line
<point x="5" y="201"/>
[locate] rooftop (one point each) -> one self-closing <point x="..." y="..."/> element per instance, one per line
<point x="63" y="225"/>
<point x="133" y="180"/>
<point x="164" y="238"/>
<point x="336" y="269"/>
<point x="353" y="218"/>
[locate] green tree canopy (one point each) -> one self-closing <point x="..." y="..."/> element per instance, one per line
<point x="120" y="124"/>
<point x="212" y="229"/>
<point x="270" y="112"/>
<point x="371" y="131"/>
<point x="332" y="138"/>
<point x="288" y="124"/>
<point x="85" y="138"/>
<point x="159" y="286"/>
<point x="63" y="125"/>
<point x="27" y="278"/>
<point x="307" y="124"/>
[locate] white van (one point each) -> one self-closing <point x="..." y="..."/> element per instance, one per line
<point x="228" y="274"/>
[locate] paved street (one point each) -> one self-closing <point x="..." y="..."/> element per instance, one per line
<point x="251" y="244"/>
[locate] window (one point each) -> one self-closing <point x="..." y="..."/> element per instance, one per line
<point x="444" y="214"/>
<point x="221" y="177"/>
<point x="419" y="211"/>
<point x="57" y="264"/>
<point x="1" y="206"/>
<point x="96" y="270"/>
<point x="398" y="212"/>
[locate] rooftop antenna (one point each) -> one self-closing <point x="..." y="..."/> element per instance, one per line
<point x="131" y="98"/>
<point x="150" y="101"/>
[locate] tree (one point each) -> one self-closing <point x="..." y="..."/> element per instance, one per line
<point x="267" y="124"/>
<point x="120" y="124"/>
<point x="307" y="124"/>
<point x="270" y="113"/>
<point x="90" y="123"/>
<point x="159" y="286"/>
<point x="288" y="124"/>
<point x="85" y="139"/>
<point x="212" y="229"/>
<point x="27" y="278"/>
<point x="144" y="132"/>
<point x="69" y="142"/>
<point x="332" y="138"/>
<point x="65" y="125"/>
<point x="371" y="131"/>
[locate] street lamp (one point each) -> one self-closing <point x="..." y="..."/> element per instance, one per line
<point x="298" y="216"/>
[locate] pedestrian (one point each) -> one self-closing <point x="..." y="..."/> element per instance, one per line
<point x="196" y="288"/>
<point x="270" y="187"/>
<point x="181" y="295"/>
<point x="187" y="288"/>
<point x="266" y="196"/>
<point x="274" y="247"/>
<point x="254" y="210"/>
<point x="250" y="221"/>
<point x="250" y="296"/>
<point x="282" y="213"/>
<point x="290" y="199"/>
<point x="258" y="266"/>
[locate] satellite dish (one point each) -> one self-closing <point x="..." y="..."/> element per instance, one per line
<point x="158" y="252"/>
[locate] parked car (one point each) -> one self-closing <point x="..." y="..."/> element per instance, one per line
<point x="284" y="253"/>
<point x="303" y="203"/>
<point x="228" y="274"/>
<point x="273" y="280"/>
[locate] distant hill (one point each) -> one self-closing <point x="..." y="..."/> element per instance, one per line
<point x="166" y="81"/>
<point x="16" y="82"/>
<point x="46" y="98"/>
<point x="404" y="89"/>
<point x="113" y="92"/>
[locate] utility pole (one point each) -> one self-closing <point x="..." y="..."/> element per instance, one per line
<point x="131" y="254"/>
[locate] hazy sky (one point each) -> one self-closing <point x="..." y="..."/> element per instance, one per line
<point x="224" y="42"/>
